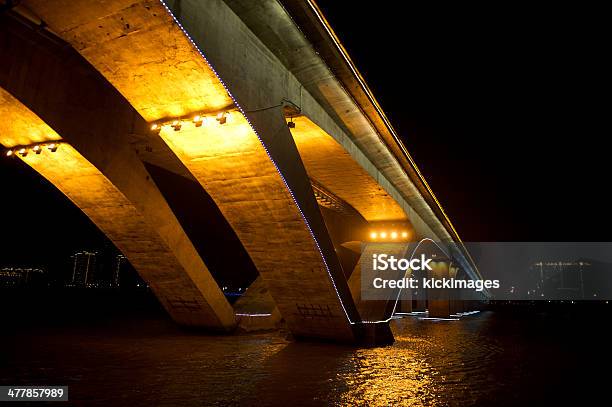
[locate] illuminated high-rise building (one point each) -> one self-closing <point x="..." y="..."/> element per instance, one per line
<point x="120" y="261"/>
<point x="571" y="280"/>
<point x="84" y="266"/>
<point x="22" y="276"/>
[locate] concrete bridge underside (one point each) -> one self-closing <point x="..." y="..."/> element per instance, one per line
<point x="259" y="173"/>
<point x="328" y="163"/>
<point x="256" y="184"/>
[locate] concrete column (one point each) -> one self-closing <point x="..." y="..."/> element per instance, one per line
<point x="438" y="299"/>
<point x="405" y="303"/>
<point x="256" y="310"/>
<point x="233" y="166"/>
<point x="456" y="302"/>
<point x="420" y="303"/>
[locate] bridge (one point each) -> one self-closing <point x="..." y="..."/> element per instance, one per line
<point x="253" y="110"/>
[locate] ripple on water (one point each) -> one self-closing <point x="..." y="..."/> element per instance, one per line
<point x="430" y="364"/>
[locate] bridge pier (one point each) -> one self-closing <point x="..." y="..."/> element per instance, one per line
<point x="256" y="309"/>
<point x="457" y="306"/>
<point x="405" y="303"/>
<point x="438" y="301"/>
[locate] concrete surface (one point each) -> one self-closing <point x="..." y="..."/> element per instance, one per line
<point x="99" y="171"/>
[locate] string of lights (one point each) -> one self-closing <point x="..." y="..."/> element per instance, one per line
<point x="389" y="235"/>
<point x="198" y="120"/>
<point x="36" y="148"/>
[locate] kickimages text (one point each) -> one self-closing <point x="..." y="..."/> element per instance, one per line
<point x="450" y="283"/>
<point x="384" y="262"/>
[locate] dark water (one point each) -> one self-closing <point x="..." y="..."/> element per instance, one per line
<point x="508" y="357"/>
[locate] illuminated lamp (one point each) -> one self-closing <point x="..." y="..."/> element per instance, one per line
<point x="52" y="147"/>
<point x="155" y="127"/>
<point x="405" y="235"/>
<point x="222" y="118"/>
<point x="37" y="149"/>
<point x="23" y="152"/>
<point x="394" y="235"/>
<point x="9" y="153"/>
<point x="373" y="235"/>
<point x="198" y="120"/>
<point x="383" y="235"/>
<point x="176" y="125"/>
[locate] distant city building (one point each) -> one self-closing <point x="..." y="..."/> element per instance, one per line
<point x="22" y="276"/>
<point x="103" y="268"/>
<point x="120" y="262"/>
<point x="83" y="268"/>
<point x="573" y="280"/>
<point x="97" y="269"/>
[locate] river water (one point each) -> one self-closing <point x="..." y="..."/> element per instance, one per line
<point x="507" y="357"/>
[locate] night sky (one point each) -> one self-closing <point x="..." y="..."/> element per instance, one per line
<point x="502" y="110"/>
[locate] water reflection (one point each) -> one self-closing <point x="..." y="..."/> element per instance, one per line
<point x="479" y="360"/>
<point x="430" y="364"/>
<point x="387" y="376"/>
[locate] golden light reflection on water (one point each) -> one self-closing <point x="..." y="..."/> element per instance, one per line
<point x="485" y="360"/>
<point x="430" y="364"/>
<point x="389" y="376"/>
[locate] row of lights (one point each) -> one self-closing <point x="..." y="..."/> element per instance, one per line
<point x="198" y="121"/>
<point x="36" y="149"/>
<point x="386" y="235"/>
